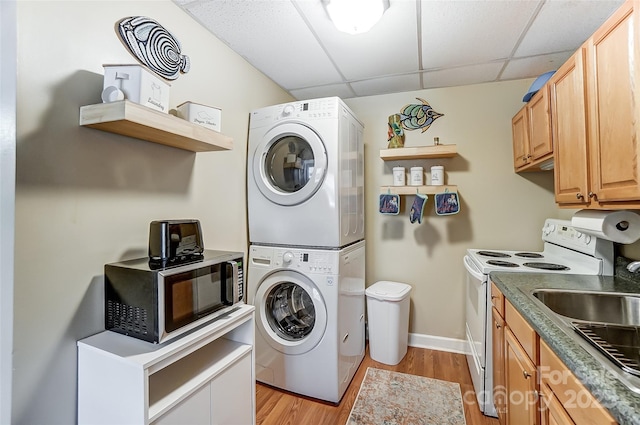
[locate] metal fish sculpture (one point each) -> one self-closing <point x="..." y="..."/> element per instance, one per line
<point x="414" y="116"/>
<point x="153" y="45"/>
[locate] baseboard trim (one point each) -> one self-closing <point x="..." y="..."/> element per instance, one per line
<point x="438" y="343"/>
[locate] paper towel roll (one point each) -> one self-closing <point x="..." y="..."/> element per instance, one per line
<point x="617" y="226"/>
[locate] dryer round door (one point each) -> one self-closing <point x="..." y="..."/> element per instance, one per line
<point x="289" y="164"/>
<point x="290" y="312"/>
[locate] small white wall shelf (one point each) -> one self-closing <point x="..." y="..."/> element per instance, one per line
<point x="412" y="190"/>
<point x="138" y="121"/>
<point x="206" y="376"/>
<point x="419" y="152"/>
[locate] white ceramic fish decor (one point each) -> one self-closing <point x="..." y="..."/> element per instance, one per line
<point x="153" y="45"/>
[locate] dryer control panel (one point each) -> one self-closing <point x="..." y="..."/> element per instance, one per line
<point x="303" y="260"/>
<point x="304" y="110"/>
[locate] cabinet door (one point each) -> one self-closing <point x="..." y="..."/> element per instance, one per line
<point x="551" y="411"/>
<point x="520" y="139"/>
<point x="232" y="394"/>
<point x="568" y="120"/>
<point x="521" y="383"/>
<point x="194" y="410"/>
<point x="540" y="142"/>
<point x="499" y="388"/>
<point x="614" y="103"/>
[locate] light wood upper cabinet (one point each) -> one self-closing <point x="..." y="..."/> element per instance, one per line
<point x="531" y="126"/>
<point x="520" y="139"/>
<point x="613" y="57"/>
<point x="595" y="116"/>
<point x="540" y="142"/>
<point x="569" y="123"/>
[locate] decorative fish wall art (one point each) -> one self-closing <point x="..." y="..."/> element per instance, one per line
<point x="153" y="45"/>
<point x="415" y="116"/>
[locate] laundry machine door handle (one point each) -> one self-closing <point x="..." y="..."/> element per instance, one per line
<point x="345" y="337"/>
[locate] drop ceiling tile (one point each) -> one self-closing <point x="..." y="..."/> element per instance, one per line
<point x="460" y="76"/>
<point x="341" y="90"/>
<point x="390" y="47"/>
<point x="469" y="32"/>
<point x="385" y="85"/>
<point x="272" y="36"/>
<point x="534" y="66"/>
<point x="564" y="25"/>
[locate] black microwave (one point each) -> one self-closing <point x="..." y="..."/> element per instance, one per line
<point x="156" y="304"/>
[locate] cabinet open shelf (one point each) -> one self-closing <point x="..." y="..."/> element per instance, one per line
<point x="138" y="121"/>
<point x="419" y="152"/>
<point x="171" y="385"/>
<point x="412" y="190"/>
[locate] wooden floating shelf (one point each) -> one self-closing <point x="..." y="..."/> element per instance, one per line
<point x="140" y="122"/>
<point x="412" y="190"/>
<point x="419" y="152"/>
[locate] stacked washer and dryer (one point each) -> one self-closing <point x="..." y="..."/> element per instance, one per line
<point x="305" y="200"/>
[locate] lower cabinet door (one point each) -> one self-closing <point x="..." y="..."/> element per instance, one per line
<point x="232" y="394"/>
<point x="521" y="383"/>
<point x="499" y="388"/>
<point x="194" y="410"/>
<point x="551" y="411"/>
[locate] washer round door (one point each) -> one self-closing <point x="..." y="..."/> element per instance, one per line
<point x="290" y="312"/>
<point x="289" y="164"/>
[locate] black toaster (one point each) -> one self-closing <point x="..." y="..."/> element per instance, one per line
<point x="175" y="241"/>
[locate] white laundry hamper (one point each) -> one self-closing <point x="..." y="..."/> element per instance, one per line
<point x="388" y="319"/>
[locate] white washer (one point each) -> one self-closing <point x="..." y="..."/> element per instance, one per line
<point x="309" y="317"/>
<point x="305" y="175"/>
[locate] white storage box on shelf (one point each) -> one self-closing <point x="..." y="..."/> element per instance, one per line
<point x="206" y="116"/>
<point x="388" y="318"/>
<point x="138" y="84"/>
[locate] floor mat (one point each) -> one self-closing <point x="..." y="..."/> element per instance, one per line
<point x="393" y="398"/>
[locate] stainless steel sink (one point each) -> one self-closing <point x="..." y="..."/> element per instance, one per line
<point x="609" y="321"/>
<point x="600" y="307"/>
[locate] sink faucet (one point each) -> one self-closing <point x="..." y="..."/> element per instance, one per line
<point x="634" y="266"/>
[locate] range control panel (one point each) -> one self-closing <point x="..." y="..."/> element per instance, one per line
<point x="306" y="261"/>
<point x="561" y="233"/>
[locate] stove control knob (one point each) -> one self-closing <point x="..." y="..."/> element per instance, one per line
<point x="287" y="257"/>
<point x="587" y="239"/>
<point x="288" y="110"/>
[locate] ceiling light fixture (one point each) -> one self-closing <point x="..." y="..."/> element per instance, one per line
<point x="355" y="16"/>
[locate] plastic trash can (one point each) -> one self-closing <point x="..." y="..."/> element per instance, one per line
<point x="388" y="318"/>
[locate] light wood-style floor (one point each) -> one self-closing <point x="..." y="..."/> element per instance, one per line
<point x="277" y="407"/>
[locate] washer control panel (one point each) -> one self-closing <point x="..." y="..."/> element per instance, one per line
<point x="306" y="261"/>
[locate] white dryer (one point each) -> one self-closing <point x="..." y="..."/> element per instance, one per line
<point x="305" y="175"/>
<point x="309" y="317"/>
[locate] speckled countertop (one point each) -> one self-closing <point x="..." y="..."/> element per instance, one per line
<point x="585" y="363"/>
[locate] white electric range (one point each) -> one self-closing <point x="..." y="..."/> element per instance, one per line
<point x="565" y="251"/>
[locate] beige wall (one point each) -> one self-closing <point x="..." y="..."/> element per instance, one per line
<point x="499" y="209"/>
<point x="86" y="197"/>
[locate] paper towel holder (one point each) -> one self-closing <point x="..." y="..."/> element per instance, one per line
<point x="622" y="225"/>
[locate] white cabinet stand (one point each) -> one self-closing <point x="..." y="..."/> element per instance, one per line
<point x="205" y="377"/>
